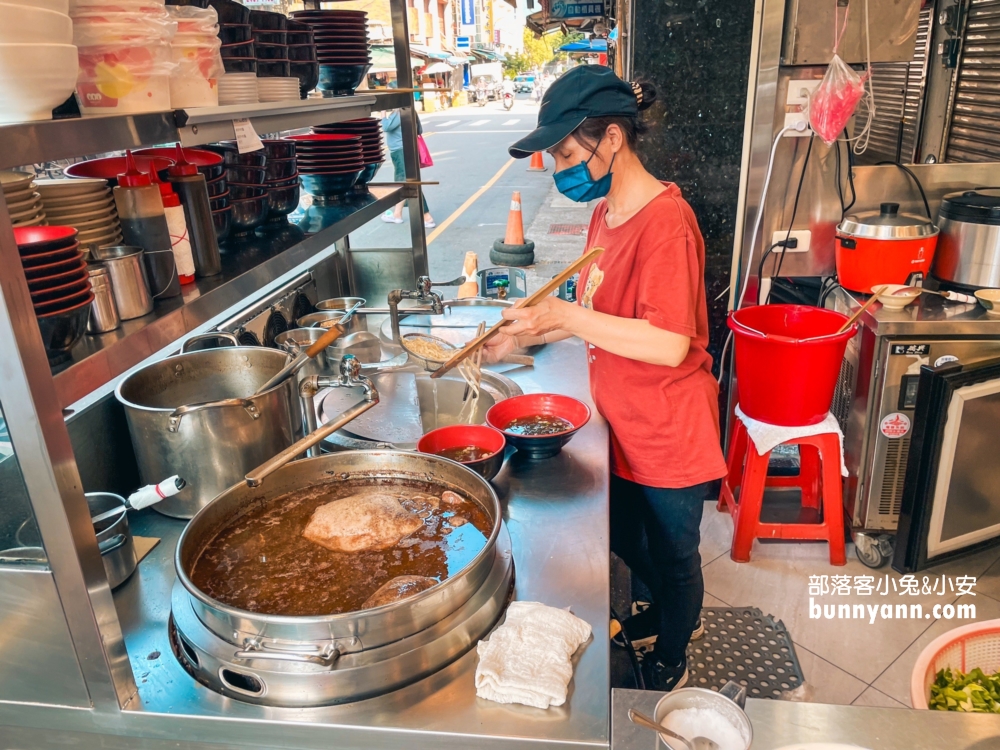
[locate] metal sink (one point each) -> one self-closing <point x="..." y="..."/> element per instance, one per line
<point x="410" y="405"/>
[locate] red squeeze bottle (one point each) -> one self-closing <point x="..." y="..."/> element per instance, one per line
<point x="177" y="225"/>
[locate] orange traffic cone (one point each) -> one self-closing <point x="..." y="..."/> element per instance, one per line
<point x="537" y="163"/>
<point x="515" y="224"/>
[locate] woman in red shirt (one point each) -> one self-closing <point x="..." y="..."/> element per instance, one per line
<point x="642" y="312"/>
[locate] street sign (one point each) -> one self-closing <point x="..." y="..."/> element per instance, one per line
<point x="468" y="12"/>
<point x="562" y="10"/>
<point x="463" y="42"/>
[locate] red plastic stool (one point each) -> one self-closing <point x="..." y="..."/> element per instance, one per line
<point x="819" y="479"/>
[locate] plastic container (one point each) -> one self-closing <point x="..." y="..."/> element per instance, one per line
<point x="964" y="648"/>
<point x="788" y="359"/>
<point x="192" y="190"/>
<point x="180" y="241"/>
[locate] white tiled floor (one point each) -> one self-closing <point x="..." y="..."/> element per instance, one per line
<point x="844" y="661"/>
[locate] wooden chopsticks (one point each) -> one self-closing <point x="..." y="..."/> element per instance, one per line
<point x="530" y="301"/>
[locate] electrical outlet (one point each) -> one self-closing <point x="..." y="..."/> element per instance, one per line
<point x="804" y="236"/>
<point x="800" y="91"/>
<point x="800" y="122"/>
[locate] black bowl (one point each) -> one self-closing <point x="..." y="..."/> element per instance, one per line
<point x="367" y="175"/>
<point x="307" y="73"/>
<point x="235" y="33"/>
<point x="248" y="214"/>
<point x="243" y="175"/>
<point x="240" y="50"/>
<point x="302" y="52"/>
<point x="271" y="52"/>
<point x="280" y="169"/>
<point x="219" y="202"/>
<point x="297" y="26"/>
<point x="222" y="219"/>
<point x="502" y="413"/>
<point x="279" y="149"/>
<point x="281" y="201"/>
<point x="217" y="186"/>
<point x="273" y="69"/>
<point x="329" y="185"/>
<point x="239" y="192"/>
<point x="230" y="12"/>
<point x="270" y="37"/>
<point x="240" y="65"/>
<point x="233" y="157"/>
<point x="341" y="78"/>
<point x="195" y="3"/>
<point x="265" y="19"/>
<point x="299" y="37"/>
<point x="61" y="331"/>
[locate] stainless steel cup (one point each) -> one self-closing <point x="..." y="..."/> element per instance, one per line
<point x="103" y="310"/>
<point x="128" y="279"/>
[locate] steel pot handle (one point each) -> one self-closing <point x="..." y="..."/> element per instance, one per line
<point x="326" y="658"/>
<point x="735" y="692"/>
<point x="110" y="545"/>
<point x="174" y="420"/>
<point x="210" y="335"/>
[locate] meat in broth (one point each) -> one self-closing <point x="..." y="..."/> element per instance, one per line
<point x="361" y="522"/>
<point x="399" y="588"/>
<point x="262" y="562"/>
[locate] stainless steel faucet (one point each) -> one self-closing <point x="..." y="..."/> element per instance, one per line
<point x="350" y="377"/>
<point x="423" y="293"/>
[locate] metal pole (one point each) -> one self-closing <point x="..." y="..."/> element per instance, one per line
<point x="45" y="455"/>
<point x="408" y="120"/>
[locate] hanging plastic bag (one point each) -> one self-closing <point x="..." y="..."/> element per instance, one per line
<point x="834" y="101"/>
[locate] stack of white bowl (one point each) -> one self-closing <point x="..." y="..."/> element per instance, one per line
<point x="38" y="62"/>
<point x="24" y="204"/>
<point x="195" y="51"/>
<point x="86" y="204"/>
<point x="278" y="89"/>
<point x="125" y="55"/>
<point x="238" y="88"/>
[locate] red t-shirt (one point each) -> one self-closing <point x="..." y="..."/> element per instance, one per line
<point x="664" y="420"/>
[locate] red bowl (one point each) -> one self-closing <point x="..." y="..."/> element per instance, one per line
<point x="52" y="294"/>
<point x="572" y="410"/>
<point x="461" y="435"/>
<point x="55" y="256"/>
<point x="67" y="302"/>
<point x="55" y="268"/>
<point x="207" y="161"/>
<point x="34" y="240"/>
<point x="112" y="166"/>
<point x="57" y="279"/>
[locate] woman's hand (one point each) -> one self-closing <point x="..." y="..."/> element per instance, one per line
<point x="551" y="314"/>
<point x="498" y="347"/>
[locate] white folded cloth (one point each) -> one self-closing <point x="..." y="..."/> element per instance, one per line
<point x="528" y="658"/>
<point x="766" y="437"/>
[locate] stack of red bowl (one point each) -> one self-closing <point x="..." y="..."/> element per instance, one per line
<point x="58" y="283"/>
<point x="341" y="47"/>
<point x="370" y="130"/>
<point x="329" y="165"/>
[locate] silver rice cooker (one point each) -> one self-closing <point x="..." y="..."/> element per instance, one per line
<point x="968" y="250"/>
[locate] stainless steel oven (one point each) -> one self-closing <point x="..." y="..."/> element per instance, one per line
<point x="876" y="399"/>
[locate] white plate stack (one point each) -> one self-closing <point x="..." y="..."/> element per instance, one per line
<point x="238" y="88"/>
<point x="86" y="204"/>
<point x="24" y="204"/>
<point x="278" y="89"/>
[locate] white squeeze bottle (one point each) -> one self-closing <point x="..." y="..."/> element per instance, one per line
<point x="180" y="241"/>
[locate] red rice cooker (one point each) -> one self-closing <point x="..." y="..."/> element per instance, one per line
<point x="883" y="247"/>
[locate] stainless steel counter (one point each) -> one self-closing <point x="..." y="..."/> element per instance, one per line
<point x="557" y="514"/>
<point x="778" y="724"/>
<point x="928" y="316"/>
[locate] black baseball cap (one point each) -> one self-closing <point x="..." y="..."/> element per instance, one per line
<point x="582" y="92"/>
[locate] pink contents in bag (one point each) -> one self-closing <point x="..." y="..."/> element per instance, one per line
<point x="833" y="103"/>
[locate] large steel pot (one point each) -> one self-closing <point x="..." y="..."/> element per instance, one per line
<point x="195" y="415"/>
<point x="332" y="658"/>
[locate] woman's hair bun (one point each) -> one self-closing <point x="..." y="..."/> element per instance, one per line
<point x="645" y="95"/>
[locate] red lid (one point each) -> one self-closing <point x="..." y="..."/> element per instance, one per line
<point x="132" y="177"/>
<point x="167" y="195"/>
<point x="182" y="167"/>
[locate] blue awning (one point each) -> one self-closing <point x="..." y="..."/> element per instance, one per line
<point x="587" y="45"/>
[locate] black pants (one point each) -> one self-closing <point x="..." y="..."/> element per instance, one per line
<point x="656" y="533"/>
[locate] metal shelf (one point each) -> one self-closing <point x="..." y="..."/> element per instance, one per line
<point x="248" y="266"/>
<point x="51" y="140"/>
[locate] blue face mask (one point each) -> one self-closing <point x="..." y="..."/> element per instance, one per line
<point x="577" y="184"/>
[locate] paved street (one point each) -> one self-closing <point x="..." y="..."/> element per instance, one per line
<point x="469" y="147"/>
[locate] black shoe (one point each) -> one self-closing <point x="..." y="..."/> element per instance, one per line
<point x="658" y="676"/>
<point x="641" y="629"/>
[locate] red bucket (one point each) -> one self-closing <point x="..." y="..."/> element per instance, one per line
<point x="788" y="360"/>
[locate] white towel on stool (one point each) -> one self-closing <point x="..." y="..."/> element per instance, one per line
<point x="528" y="658"/>
<point x="767" y="437"/>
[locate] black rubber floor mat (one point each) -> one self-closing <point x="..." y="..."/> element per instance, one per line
<point x="744" y="645"/>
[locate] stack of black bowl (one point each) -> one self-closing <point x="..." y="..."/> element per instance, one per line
<point x="302" y="61"/>
<point x="271" y="47"/>
<point x="341" y="47"/>
<point x="282" y="182"/>
<point x="247" y="195"/>
<point x="329" y="165"/>
<point x="370" y="130"/>
<point x="236" y="34"/>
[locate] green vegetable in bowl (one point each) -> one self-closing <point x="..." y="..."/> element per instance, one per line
<point x="975" y="692"/>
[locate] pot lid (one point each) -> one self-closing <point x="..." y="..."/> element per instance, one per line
<point x="887" y="224"/>
<point x="980" y="206"/>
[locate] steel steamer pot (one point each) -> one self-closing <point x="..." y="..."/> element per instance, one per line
<point x="317" y="660"/>
<point x="968" y="256"/>
<point x="194" y="415"/>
